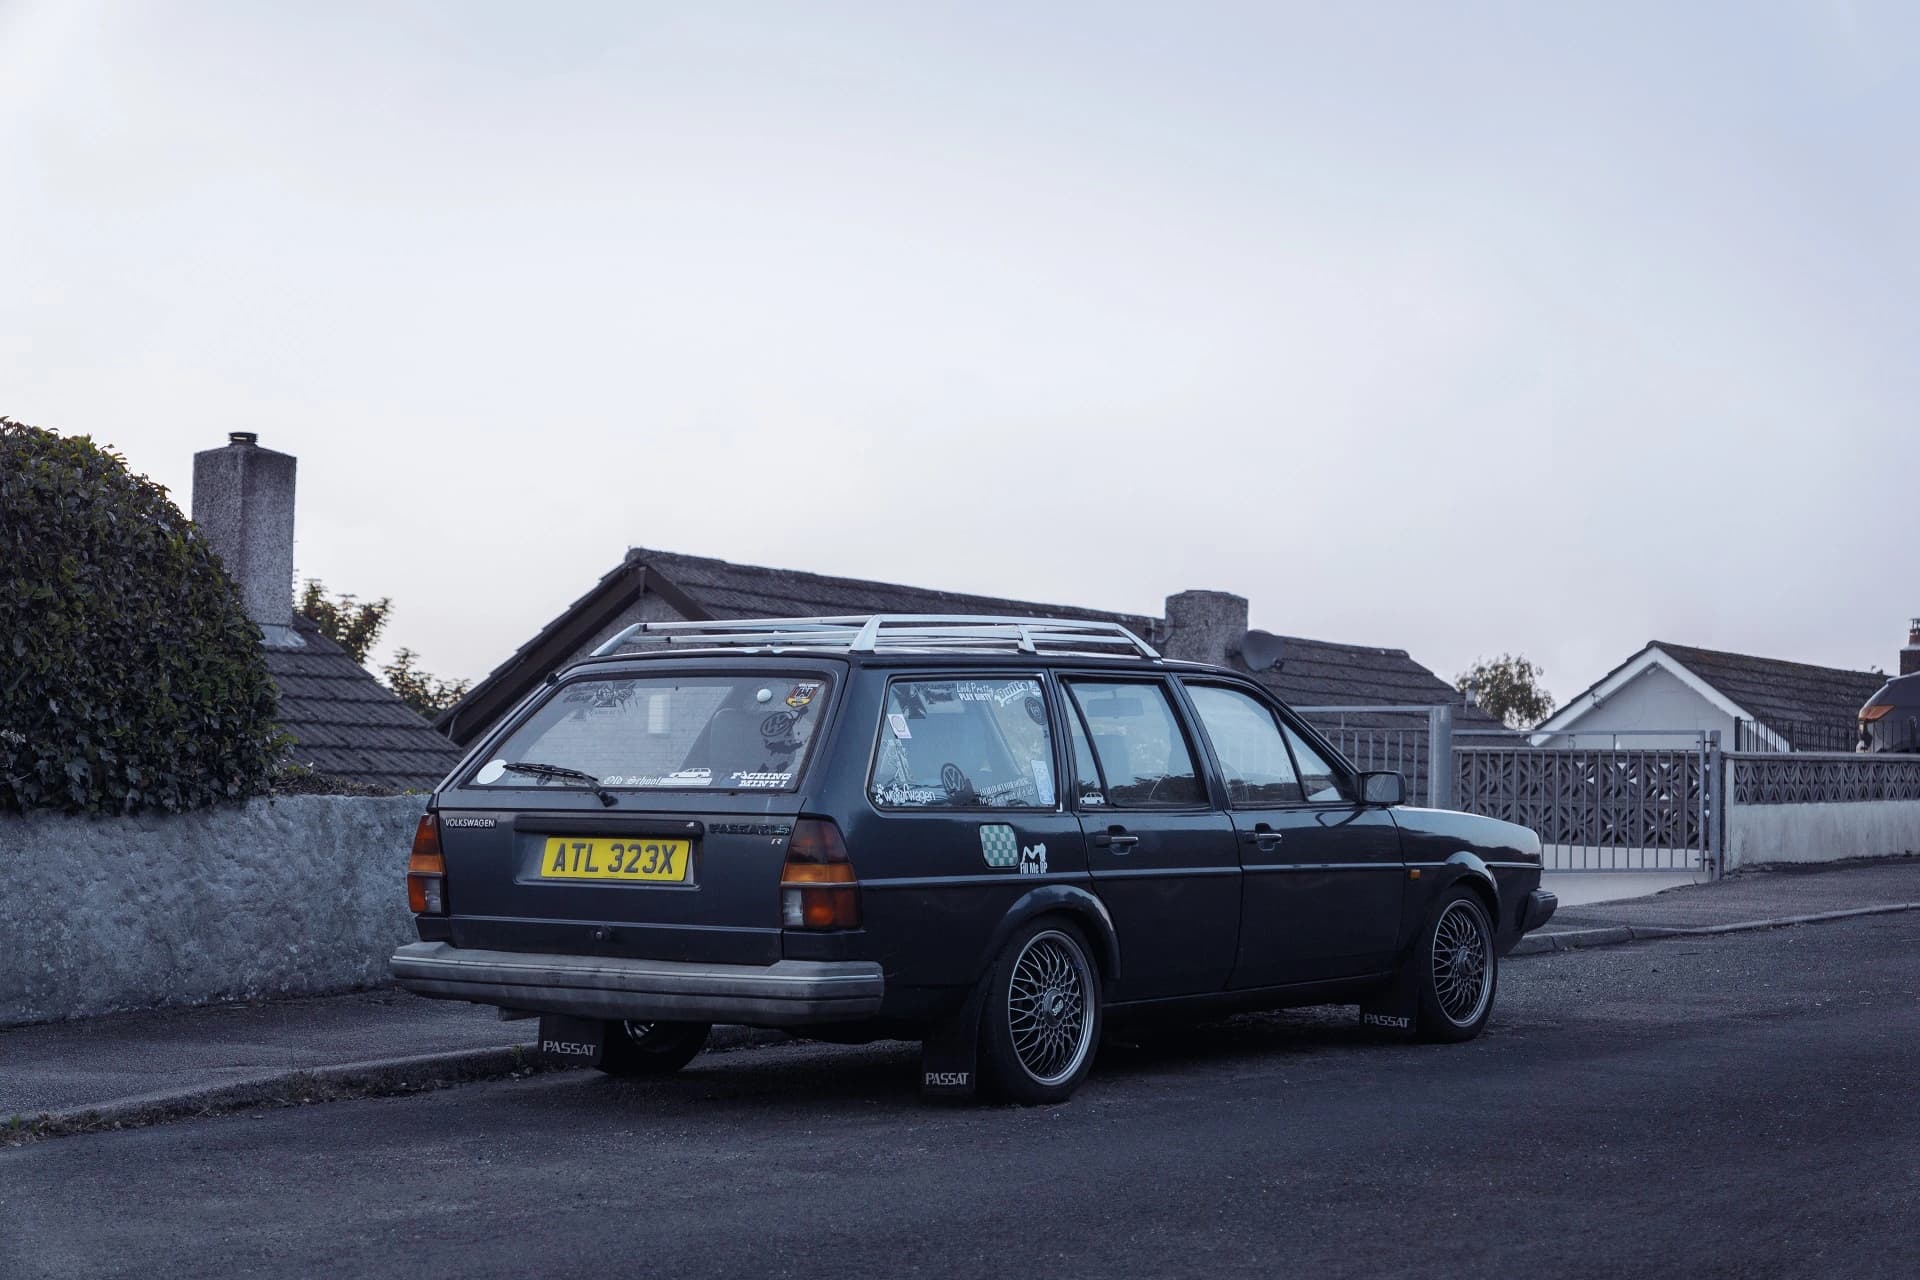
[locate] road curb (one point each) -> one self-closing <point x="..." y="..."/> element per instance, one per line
<point x="1614" y="935"/>
<point x="374" y="1077"/>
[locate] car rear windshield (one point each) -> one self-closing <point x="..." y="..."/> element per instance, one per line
<point x="724" y="732"/>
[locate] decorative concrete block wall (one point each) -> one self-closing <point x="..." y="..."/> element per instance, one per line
<point x="299" y="895"/>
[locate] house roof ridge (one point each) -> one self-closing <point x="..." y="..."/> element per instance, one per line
<point x="648" y="555"/>
<point x="1676" y="649"/>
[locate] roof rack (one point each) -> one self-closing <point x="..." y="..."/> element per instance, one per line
<point x="890" y="632"/>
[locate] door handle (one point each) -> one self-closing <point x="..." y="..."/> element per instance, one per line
<point x="1116" y="839"/>
<point x="1263" y="838"/>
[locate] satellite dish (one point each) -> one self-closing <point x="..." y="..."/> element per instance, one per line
<point x="1262" y="650"/>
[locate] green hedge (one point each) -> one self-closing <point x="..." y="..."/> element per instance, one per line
<point x="130" y="675"/>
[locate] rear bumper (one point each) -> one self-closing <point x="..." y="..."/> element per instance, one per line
<point x="1540" y="905"/>
<point x="788" y="993"/>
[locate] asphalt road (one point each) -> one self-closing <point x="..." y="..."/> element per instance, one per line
<point x="1742" y="1106"/>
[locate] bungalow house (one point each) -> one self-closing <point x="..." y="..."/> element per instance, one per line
<point x="343" y="722"/>
<point x="1756" y="704"/>
<point x="1205" y="626"/>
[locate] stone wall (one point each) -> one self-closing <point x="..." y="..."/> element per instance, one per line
<point x="299" y="895"/>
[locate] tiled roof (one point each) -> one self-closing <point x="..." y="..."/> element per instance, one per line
<point x="731" y="590"/>
<point x="1784" y="696"/>
<point x="347" y="724"/>
<point x="1310" y="673"/>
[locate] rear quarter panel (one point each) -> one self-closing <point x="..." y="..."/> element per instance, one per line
<point x="931" y="904"/>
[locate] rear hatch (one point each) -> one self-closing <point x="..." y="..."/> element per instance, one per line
<point x="643" y="811"/>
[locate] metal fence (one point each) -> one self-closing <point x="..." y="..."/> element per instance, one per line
<point x="1601" y="808"/>
<point x="1404" y="739"/>
<point x="1794" y="735"/>
<point x="1600" y="800"/>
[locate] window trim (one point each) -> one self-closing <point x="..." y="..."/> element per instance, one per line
<point x="1219" y="764"/>
<point x="958" y="676"/>
<point x="1198" y="752"/>
<point x="1284" y="717"/>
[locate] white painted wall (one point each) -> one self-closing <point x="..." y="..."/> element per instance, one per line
<point x="1758" y="833"/>
<point x="1654" y="699"/>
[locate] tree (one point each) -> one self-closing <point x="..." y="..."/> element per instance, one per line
<point x="356" y="625"/>
<point x="1508" y="689"/>
<point x="419" y="690"/>
<point x="131" y="677"/>
<point x="349" y="623"/>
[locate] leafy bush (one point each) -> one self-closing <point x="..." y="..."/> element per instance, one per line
<point x="130" y="675"/>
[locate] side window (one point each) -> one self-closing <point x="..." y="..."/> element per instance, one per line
<point x="1086" y="774"/>
<point x="1143" y="755"/>
<point x="1320" y="779"/>
<point x="964" y="744"/>
<point x="1253" y="756"/>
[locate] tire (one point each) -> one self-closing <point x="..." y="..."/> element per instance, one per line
<point x="1456" y="970"/>
<point x="651" y="1048"/>
<point x="1040" y="1023"/>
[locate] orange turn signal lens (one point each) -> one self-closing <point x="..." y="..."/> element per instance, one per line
<point x="427" y="870"/>
<point x="1870" y="714"/>
<point x="818" y="889"/>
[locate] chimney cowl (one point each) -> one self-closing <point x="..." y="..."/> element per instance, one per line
<point x="243" y="437"/>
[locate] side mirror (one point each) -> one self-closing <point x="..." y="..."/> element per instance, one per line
<point x="1385" y="787"/>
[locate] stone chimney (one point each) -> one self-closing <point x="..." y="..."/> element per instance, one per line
<point x="243" y="503"/>
<point x="1910" y="656"/>
<point x="1204" y="626"/>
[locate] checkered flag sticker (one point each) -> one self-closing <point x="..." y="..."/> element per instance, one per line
<point x="999" y="845"/>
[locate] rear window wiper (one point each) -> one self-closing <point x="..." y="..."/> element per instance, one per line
<point x="558" y="772"/>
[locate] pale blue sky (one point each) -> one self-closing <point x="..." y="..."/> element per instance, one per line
<point x="1457" y="328"/>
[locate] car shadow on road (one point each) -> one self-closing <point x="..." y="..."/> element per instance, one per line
<point x="886" y="1074"/>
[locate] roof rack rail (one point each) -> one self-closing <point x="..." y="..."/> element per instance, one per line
<point x="890" y="632"/>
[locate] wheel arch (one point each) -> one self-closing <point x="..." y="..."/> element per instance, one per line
<point x="1469" y="871"/>
<point x="1072" y="901"/>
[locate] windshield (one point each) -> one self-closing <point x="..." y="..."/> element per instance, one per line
<point x="665" y="733"/>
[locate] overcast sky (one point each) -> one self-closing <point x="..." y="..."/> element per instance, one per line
<point x="1454" y="328"/>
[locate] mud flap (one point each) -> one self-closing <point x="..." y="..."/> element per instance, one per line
<point x="571" y="1042"/>
<point x="1394" y="1009"/>
<point x="950" y="1055"/>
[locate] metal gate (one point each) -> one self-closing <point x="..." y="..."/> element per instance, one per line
<point x="1602" y="808"/>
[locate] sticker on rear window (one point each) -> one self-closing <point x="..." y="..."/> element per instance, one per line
<point x="761" y="779"/>
<point x="899" y="723"/>
<point x="801" y="694"/>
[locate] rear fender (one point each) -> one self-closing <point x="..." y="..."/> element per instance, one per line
<point x="949" y="1053"/>
<point x="1069" y="900"/>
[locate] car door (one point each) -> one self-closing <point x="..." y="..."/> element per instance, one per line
<point x="1323" y="873"/>
<point x="1160" y="851"/>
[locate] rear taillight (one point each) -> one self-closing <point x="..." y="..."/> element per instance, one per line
<point x="818" y="889"/>
<point x="427" y="870"/>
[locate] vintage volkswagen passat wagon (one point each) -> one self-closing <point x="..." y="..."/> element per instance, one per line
<point x="986" y="834"/>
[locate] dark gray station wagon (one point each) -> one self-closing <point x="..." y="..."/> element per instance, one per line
<point x="985" y="834"/>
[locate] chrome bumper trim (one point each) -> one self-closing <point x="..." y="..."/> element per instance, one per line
<point x="783" y="994"/>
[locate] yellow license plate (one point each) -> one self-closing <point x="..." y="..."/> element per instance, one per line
<point x="579" y="858"/>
